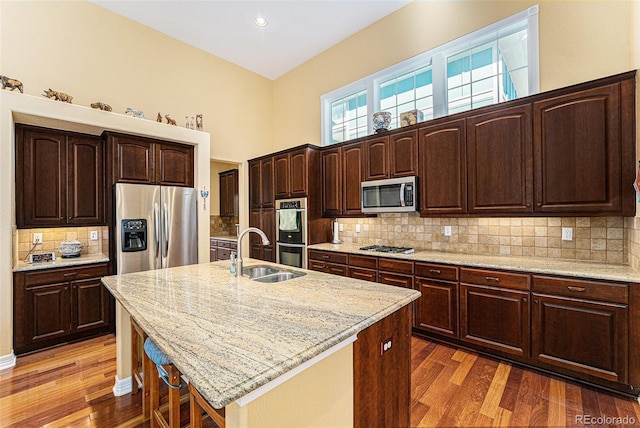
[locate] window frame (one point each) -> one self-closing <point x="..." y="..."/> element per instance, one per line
<point x="436" y="58"/>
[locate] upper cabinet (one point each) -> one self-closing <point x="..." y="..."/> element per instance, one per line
<point x="229" y="193"/>
<point x="389" y="156"/>
<point x="290" y="174"/>
<point x="59" y="178"/>
<point x="146" y="161"/>
<point x="261" y="194"/>
<point x="442" y="168"/>
<point x="499" y="162"/>
<point x="583" y="142"/>
<point x="342" y="173"/>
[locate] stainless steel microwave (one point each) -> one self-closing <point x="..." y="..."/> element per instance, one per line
<point x="395" y="195"/>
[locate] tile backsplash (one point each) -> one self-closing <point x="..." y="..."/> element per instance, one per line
<point x="52" y="237"/>
<point x="594" y="238"/>
<point x="219" y="225"/>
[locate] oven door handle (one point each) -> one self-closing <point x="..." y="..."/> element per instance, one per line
<point x="284" y="244"/>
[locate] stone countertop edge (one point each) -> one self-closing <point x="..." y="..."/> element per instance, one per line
<point x="60" y="262"/>
<point x="230" y="379"/>
<point x="564" y="267"/>
<point x="224" y="238"/>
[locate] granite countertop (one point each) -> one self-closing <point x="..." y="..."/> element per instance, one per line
<point x="61" y="263"/>
<point x="225" y="237"/>
<point x="232" y="335"/>
<point x="565" y="267"/>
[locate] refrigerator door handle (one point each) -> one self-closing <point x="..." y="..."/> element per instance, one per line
<point x="165" y="232"/>
<point x="156" y="221"/>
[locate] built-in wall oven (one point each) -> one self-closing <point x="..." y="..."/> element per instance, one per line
<point x="291" y="232"/>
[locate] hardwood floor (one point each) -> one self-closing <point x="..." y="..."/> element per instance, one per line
<point x="70" y="386"/>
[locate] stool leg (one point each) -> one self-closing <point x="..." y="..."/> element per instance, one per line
<point x="195" y="411"/>
<point x="148" y="374"/>
<point x="174" y="396"/>
<point x="154" y="393"/>
<point x="134" y="359"/>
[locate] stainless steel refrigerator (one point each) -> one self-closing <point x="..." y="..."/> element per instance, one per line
<point x="156" y="227"/>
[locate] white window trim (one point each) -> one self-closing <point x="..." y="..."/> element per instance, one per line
<point x="436" y="57"/>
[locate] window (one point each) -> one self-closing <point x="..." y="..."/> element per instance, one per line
<point x="494" y="64"/>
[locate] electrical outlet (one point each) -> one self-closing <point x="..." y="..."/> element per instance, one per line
<point x="37" y="238"/>
<point x="358" y="228"/>
<point x="385" y="345"/>
<point x="94" y="235"/>
<point x="447" y="231"/>
<point x="567" y="234"/>
<point x="341" y="227"/>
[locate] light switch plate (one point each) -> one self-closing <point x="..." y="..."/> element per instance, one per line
<point x="447" y="231"/>
<point x="567" y="233"/>
<point x="358" y="228"/>
<point x="94" y="235"/>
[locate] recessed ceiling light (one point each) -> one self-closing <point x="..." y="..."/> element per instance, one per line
<point x="260" y="21"/>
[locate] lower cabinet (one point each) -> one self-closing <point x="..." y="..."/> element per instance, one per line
<point x="328" y="262"/>
<point x="437" y="309"/>
<point x="221" y="249"/>
<point x="54" y="306"/>
<point x="265" y="220"/>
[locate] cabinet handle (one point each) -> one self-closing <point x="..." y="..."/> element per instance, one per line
<point x="325" y="257"/>
<point x="539" y="204"/>
<point x="70" y="274"/>
<point x="580" y="289"/>
<point x="437" y="271"/>
<point x="524" y="300"/>
<point x="535" y="301"/>
<point x="492" y="278"/>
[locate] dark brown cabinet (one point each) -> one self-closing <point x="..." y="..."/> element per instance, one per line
<point x="332" y="183"/>
<point x="229" y="193"/>
<point x="55" y="306"/>
<point x="221" y="249"/>
<point x="494" y="310"/>
<point x="437" y="309"/>
<point x="290" y="174"/>
<point x="442" y="168"/>
<point x="395" y="272"/>
<point x="328" y="262"/>
<point x="262" y="212"/>
<point x="264" y="219"/>
<point x="261" y="192"/>
<point x="581" y="326"/>
<point x="499" y="161"/>
<point x="581" y="161"/>
<point x="59" y="178"/>
<point x="394" y="155"/>
<point x="342" y="173"/>
<point x="141" y="160"/>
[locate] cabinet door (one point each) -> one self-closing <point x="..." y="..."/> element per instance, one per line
<point x="437" y="308"/>
<point x="352" y="177"/>
<point x="47" y="312"/>
<point x="267" y="188"/>
<point x="499" y="155"/>
<point x="174" y="164"/>
<point x="228" y="181"/>
<point x="404" y="281"/>
<point x="589" y="338"/>
<point x="577" y="141"/>
<point x="370" y="275"/>
<point x="213" y="254"/>
<point x="41" y="178"/>
<point x="90" y="305"/>
<point x="442" y="168"/>
<point x="133" y="160"/>
<point x="224" y="198"/>
<point x="281" y="176"/>
<point x="331" y="183"/>
<point x="268" y="226"/>
<point x="377" y="158"/>
<point x="403" y="154"/>
<point x="85" y="188"/>
<point x="495" y="318"/>
<point x="255" y="185"/>
<point x="298" y="167"/>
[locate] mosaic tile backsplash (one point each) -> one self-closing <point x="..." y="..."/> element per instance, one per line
<point x="594" y="238"/>
<point x="219" y="226"/>
<point x="52" y="237"/>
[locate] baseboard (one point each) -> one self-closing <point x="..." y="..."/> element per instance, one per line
<point x="122" y="386"/>
<point x="7" y="361"/>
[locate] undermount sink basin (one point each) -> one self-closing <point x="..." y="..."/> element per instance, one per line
<point x="264" y="273"/>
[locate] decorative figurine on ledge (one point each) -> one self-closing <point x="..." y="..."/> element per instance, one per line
<point x="170" y="121"/>
<point x="12" y="84"/>
<point x="58" y="96"/>
<point x="134" y="112"/>
<point x="101" y="106"/>
<point x="198" y="122"/>
<point x="159" y="118"/>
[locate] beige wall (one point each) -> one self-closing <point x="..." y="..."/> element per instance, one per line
<point x="95" y="55"/>
<point x="579" y="41"/>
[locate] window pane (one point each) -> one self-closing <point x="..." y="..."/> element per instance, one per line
<point x="344" y="116"/>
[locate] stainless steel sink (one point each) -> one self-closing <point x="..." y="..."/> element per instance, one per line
<point x="265" y="273"/>
<point x="279" y="276"/>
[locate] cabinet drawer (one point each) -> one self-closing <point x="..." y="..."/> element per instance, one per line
<point x="224" y="253"/>
<point x="363" y="261"/>
<point x="328" y="256"/>
<point x="394" y="265"/>
<point x="51" y="276"/>
<point x="227" y="244"/>
<point x="580" y="289"/>
<point x="404" y="281"/>
<point x="213" y="243"/>
<point x="363" y="274"/>
<point x="336" y="269"/>
<point x="434" y="271"/>
<point x="495" y="278"/>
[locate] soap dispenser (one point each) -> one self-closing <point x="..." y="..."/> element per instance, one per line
<point x="232" y="259"/>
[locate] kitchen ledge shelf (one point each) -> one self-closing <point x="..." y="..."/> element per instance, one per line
<point x="562" y="267"/>
<point x="88" y="259"/>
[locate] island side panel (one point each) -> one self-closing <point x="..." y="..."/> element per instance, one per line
<point x="382" y="379"/>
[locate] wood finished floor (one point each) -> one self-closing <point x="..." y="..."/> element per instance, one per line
<point x="71" y="386"/>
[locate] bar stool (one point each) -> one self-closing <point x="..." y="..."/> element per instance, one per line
<point x="197" y="404"/>
<point x="162" y="368"/>
<point x="139" y="366"/>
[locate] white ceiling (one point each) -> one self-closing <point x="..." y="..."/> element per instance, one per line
<point x="298" y="29"/>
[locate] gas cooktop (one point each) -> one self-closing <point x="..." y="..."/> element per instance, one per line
<point x="388" y="249"/>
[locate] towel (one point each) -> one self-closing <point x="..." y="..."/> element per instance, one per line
<point x="288" y="220"/>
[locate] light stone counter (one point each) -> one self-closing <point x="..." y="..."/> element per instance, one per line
<point x="564" y="267"/>
<point x="62" y="263"/>
<point x="231" y="238"/>
<point x="231" y="335"/>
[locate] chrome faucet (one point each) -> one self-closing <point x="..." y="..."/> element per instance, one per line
<point x="265" y="241"/>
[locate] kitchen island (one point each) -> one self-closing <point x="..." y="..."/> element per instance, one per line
<point x="287" y="352"/>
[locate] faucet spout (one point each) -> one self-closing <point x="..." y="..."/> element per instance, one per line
<point x="265" y="241"/>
